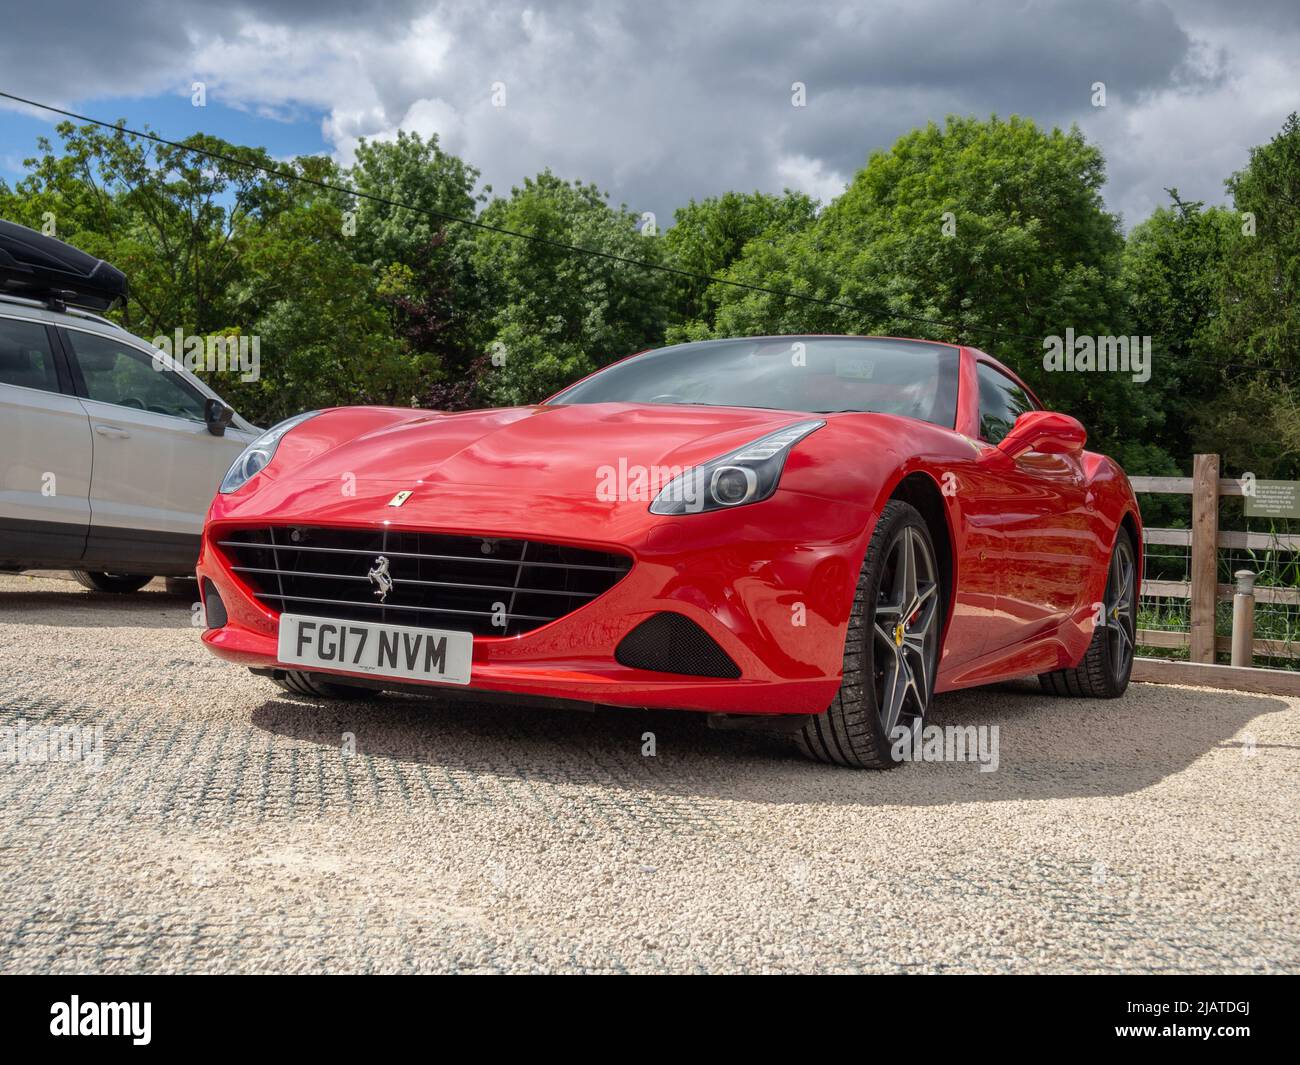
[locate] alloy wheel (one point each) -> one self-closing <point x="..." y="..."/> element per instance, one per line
<point x="1119" y="607"/>
<point x="905" y="632"/>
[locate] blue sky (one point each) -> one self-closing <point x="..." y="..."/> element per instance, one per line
<point x="170" y="116"/>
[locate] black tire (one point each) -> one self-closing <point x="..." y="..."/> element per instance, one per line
<point x="121" y="583"/>
<point x="854" y="730"/>
<point x="185" y="587"/>
<point x="311" y="684"/>
<point x="1108" y="663"/>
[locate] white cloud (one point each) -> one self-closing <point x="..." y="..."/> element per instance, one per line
<point x="1192" y="138"/>
<point x="811" y="176"/>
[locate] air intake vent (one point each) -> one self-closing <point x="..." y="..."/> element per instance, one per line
<point x="472" y="583"/>
<point x="214" y="610"/>
<point x="672" y="643"/>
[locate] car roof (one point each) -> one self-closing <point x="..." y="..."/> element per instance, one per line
<point x="53" y="314"/>
<point x="799" y="336"/>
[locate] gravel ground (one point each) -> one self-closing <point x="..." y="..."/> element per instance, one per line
<point x="229" y="828"/>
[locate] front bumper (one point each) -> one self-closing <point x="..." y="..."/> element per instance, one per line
<point x="772" y="584"/>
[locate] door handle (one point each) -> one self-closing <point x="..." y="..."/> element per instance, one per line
<point x="112" y="431"/>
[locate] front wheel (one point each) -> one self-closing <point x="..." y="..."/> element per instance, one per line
<point x="186" y="587"/>
<point x="110" y="582"/>
<point x="1105" y="669"/>
<point x="891" y="652"/>
<point x="311" y="684"/>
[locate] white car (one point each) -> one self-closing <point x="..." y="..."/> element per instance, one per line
<point x="107" y="462"/>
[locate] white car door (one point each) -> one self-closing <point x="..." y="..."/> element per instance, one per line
<point x="45" y="452"/>
<point x="156" y="465"/>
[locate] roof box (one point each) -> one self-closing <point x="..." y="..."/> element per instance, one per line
<point x="40" y="267"/>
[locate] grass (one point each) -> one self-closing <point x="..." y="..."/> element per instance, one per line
<point x="1273" y="567"/>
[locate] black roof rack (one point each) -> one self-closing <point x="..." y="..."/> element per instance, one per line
<point x="43" y="268"/>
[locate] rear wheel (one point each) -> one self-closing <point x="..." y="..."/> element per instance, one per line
<point x="311" y="684"/>
<point x="1105" y="669"/>
<point x="110" y="582"/>
<point x="891" y="652"/>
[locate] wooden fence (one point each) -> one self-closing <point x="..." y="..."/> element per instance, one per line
<point x="1203" y="591"/>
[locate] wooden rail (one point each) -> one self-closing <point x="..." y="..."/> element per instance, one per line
<point x="1202" y="589"/>
<point x="1223" y="592"/>
<point x="1182" y="485"/>
<point x="1248" y="541"/>
<point x="1203" y="674"/>
<point x="1177" y="638"/>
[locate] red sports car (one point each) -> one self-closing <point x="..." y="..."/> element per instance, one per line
<point x="808" y="533"/>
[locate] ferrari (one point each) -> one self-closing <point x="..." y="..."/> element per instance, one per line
<point x="808" y="534"/>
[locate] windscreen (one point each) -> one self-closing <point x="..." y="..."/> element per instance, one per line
<point x="819" y="375"/>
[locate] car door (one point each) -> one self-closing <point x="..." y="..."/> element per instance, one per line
<point x="156" y="465"/>
<point x="1043" y="522"/>
<point x="977" y="498"/>
<point x="45" y="450"/>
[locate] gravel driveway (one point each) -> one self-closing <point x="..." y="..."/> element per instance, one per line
<point x="231" y="826"/>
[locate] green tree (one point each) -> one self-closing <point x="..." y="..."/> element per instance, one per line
<point x="1171" y="273"/>
<point x="424" y="262"/>
<point x="708" y="236"/>
<point x="1255" y="422"/>
<point x="439" y="314"/>
<point x="558" y="314"/>
<point x="326" y="338"/>
<point x="428" y="184"/>
<point x="177" y="223"/>
<point x="351" y="300"/>
<point x="991" y="233"/>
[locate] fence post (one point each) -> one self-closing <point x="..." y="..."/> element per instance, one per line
<point x="1243" y="618"/>
<point x="1205" y="552"/>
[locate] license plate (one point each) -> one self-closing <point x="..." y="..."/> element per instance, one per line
<point x="382" y="650"/>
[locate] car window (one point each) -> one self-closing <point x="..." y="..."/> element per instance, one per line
<point x="821" y="375"/>
<point x="1002" y="401"/>
<point x="128" y="377"/>
<point x="25" y="356"/>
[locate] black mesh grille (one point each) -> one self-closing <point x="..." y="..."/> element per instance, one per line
<point x="472" y="583"/>
<point x="672" y="643"/>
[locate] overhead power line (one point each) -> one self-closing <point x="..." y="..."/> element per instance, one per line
<point x="476" y="223"/>
<point x="574" y="249"/>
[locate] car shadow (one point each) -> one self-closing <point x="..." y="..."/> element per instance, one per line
<point x="1047" y="747"/>
<point x="76" y="607"/>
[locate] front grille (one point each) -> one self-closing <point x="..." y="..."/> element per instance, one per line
<point x="486" y="586"/>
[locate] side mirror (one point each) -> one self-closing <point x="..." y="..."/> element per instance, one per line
<point x="1047" y="431"/>
<point x="218" y="416"/>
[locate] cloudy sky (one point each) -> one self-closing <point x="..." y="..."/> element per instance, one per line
<point x="661" y="102"/>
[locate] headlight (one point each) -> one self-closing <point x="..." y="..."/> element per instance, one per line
<point x="747" y="475"/>
<point x="257" y="456"/>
